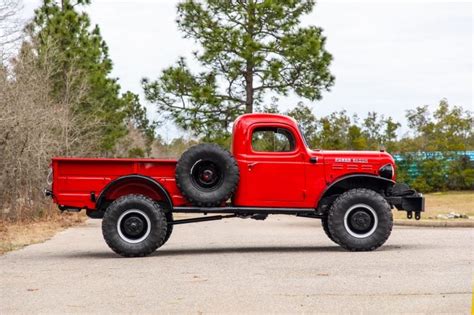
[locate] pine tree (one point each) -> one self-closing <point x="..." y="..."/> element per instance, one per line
<point x="83" y="66"/>
<point x="248" y="48"/>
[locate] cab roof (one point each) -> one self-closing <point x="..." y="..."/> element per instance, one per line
<point x="246" y="120"/>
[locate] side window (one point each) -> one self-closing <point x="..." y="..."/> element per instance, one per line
<point x="271" y="139"/>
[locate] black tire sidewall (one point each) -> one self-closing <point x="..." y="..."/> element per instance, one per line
<point x="152" y="210"/>
<point x="343" y="203"/>
<point x="325" y="225"/>
<point x="169" y="227"/>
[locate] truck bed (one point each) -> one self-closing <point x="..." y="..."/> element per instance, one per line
<point x="78" y="182"/>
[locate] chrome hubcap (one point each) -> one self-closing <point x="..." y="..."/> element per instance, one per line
<point x="133" y="226"/>
<point x="360" y="220"/>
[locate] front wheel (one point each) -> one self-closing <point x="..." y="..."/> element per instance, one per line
<point x="325" y="225"/>
<point x="134" y="225"/>
<point x="360" y="220"/>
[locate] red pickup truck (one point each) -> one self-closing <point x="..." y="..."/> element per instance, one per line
<point x="271" y="170"/>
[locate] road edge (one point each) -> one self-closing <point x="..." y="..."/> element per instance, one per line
<point x="434" y="223"/>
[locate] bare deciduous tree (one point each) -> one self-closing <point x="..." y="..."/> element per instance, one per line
<point x="33" y="128"/>
<point x="10" y="28"/>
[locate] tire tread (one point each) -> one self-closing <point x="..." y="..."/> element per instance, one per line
<point x="199" y="148"/>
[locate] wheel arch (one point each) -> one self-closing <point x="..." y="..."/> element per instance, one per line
<point x="348" y="182"/>
<point x="133" y="184"/>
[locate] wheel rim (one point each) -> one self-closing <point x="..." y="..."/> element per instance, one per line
<point x="206" y="175"/>
<point x="360" y="220"/>
<point x="133" y="226"/>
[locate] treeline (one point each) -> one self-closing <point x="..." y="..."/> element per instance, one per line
<point x="58" y="98"/>
<point x="430" y="153"/>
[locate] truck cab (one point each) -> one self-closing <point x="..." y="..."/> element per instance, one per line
<point x="279" y="169"/>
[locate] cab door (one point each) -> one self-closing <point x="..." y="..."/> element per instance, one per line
<point x="275" y="167"/>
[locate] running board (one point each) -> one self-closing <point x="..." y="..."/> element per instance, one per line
<point x="202" y="219"/>
<point x="307" y="212"/>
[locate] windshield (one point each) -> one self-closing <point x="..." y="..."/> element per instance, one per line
<point x="303" y="136"/>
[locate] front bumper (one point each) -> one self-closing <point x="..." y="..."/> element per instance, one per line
<point x="406" y="199"/>
<point x="410" y="204"/>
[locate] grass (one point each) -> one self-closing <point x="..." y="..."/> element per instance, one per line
<point x="461" y="202"/>
<point x="15" y="235"/>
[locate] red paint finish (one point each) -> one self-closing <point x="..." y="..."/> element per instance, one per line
<point x="267" y="179"/>
<point x="74" y="179"/>
<point x="289" y="179"/>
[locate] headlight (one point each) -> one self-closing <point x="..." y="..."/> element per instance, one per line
<point x="386" y="171"/>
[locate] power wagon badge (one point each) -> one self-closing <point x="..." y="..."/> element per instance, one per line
<point x="349" y="160"/>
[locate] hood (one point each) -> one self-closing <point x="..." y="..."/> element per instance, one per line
<point x="358" y="154"/>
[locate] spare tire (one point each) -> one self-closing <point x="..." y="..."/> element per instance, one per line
<point x="207" y="175"/>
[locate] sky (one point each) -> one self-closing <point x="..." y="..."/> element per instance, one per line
<point x="389" y="56"/>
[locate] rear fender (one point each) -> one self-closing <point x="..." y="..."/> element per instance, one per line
<point x="133" y="184"/>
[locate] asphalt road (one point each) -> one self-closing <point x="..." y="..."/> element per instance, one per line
<point x="281" y="265"/>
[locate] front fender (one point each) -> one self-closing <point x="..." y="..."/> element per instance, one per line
<point x="352" y="181"/>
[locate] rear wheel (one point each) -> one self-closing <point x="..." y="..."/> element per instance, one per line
<point x="134" y="225"/>
<point x="360" y="220"/>
<point x="169" y="228"/>
<point x="169" y="220"/>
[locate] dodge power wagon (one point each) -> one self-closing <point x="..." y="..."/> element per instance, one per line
<point x="271" y="170"/>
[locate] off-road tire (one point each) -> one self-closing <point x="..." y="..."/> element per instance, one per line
<point x="353" y="198"/>
<point x="169" y="228"/>
<point x="169" y="219"/>
<point x="223" y="167"/>
<point x="157" y="227"/>
<point x="325" y="225"/>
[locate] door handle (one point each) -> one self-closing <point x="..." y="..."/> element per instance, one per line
<point x="313" y="160"/>
<point x="251" y="165"/>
